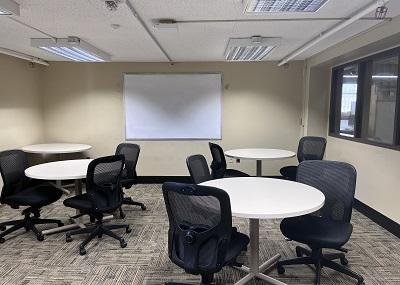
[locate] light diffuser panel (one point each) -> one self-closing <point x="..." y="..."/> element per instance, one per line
<point x="250" y="49"/>
<point x="262" y="6"/>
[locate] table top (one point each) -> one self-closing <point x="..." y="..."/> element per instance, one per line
<point x="59" y="170"/>
<point x="268" y="198"/>
<point x="56" y="148"/>
<point x="260" y="153"/>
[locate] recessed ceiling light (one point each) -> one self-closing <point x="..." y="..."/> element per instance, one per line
<point x="9" y="7"/>
<point x="250" y="49"/>
<point x="262" y="6"/>
<point x="72" y="48"/>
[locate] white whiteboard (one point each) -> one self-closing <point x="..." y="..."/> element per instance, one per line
<point x="172" y="106"/>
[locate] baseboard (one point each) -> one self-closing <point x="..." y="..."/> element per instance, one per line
<point x="162" y="179"/>
<point x="378" y="218"/>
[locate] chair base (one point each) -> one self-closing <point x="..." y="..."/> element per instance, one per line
<point x="319" y="260"/>
<point x="28" y="222"/>
<point x="129" y="201"/>
<point x="98" y="230"/>
<point x="205" y="280"/>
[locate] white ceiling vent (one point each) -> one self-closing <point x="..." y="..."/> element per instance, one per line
<point x="255" y="48"/>
<point x="283" y="6"/>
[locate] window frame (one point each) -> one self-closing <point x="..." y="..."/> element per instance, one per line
<point x="364" y="87"/>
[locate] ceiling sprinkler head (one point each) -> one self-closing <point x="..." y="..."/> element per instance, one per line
<point x="381" y="12"/>
<point x="112" y="5"/>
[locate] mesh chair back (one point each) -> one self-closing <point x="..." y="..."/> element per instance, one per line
<point x="200" y="225"/>
<point x="103" y="182"/>
<point x="218" y="165"/>
<point x="311" y="148"/>
<point x="131" y="152"/>
<point x="12" y="167"/>
<point x="337" y="181"/>
<point x="198" y="168"/>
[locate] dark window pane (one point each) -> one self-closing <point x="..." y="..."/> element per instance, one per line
<point x="349" y="100"/>
<point x="382" y="107"/>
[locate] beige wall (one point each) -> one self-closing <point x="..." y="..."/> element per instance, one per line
<point x="262" y="106"/>
<point x="378" y="168"/>
<point x="21" y="120"/>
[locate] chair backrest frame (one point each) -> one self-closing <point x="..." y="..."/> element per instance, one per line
<point x="103" y="182"/>
<point x="131" y="152"/>
<point x="337" y="181"/>
<point x="311" y="148"/>
<point x="187" y="240"/>
<point x="218" y="164"/>
<point x="12" y="167"/>
<point x="198" y="168"/>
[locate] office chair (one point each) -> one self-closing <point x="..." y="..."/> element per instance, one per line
<point x="198" y="168"/>
<point x="103" y="195"/>
<point x="19" y="190"/>
<point x="329" y="227"/>
<point x="129" y="175"/>
<point x="310" y="148"/>
<point x="201" y="240"/>
<point x="218" y="165"/>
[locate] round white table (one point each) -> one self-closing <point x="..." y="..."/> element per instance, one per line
<point x="256" y="198"/>
<point x="260" y="154"/>
<point x="56" y="148"/>
<point x="61" y="170"/>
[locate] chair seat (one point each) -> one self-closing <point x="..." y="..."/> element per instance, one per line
<point x="35" y="196"/>
<point x="317" y="232"/>
<point x="80" y="202"/>
<point x="234" y="173"/>
<point x="238" y="244"/>
<point x="289" y="172"/>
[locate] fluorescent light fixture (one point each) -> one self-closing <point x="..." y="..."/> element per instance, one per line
<point x="250" y="49"/>
<point x="9" y="7"/>
<point x="262" y="6"/>
<point x="350" y="76"/>
<point x="72" y="48"/>
<point x="384" y="76"/>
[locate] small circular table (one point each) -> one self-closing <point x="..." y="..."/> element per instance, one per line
<point x="61" y="170"/>
<point x="256" y="198"/>
<point x="260" y="154"/>
<point x="56" y="148"/>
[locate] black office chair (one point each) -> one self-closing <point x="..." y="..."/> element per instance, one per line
<point x="103" y="195"/>
<point x="19" y="190"/>
<point x="129" y="176"/>
<point x="218" y="165"/>
<point x="201" y="239"/>
<point x="329" y="227"/>
<point x="198" y="168"/>
<point x="310" y="148"/>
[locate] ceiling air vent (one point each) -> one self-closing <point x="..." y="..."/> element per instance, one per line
<point x="255" y="48"/>
<point x="283" y="6"/>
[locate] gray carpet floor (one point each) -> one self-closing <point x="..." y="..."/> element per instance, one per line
<point x="374" y="252"/>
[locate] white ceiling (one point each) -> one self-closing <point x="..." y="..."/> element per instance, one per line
<point x="91" y="21"/>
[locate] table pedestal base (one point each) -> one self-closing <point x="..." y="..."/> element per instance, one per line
<point x="255" y="270"/>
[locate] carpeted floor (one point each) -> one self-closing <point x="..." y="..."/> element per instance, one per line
<point x="374" y="252"/>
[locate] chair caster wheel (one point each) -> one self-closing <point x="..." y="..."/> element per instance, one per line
<point x="40" y="237"/>
<point x="280" y="269"/>
<point x="26" y="229"/>
<point x="122" y="215"/>
<point x="2" y="228"/>
<point x="92" y="219"/>
<point x="60" y="224"/>
<point x="123" y="243"/>
<point x="36" y="215"/>
<point x="143" y="208"/>
<point x="68" y="238"/>
<point x="128" y="230"/>
<point x="82" y="251"/>
<point x="2" y="240"/>
<point x="299" y="253"/>
<point x="100" y="236"/>
<point x="344" y="261"/>
<point x="360" y="283"/>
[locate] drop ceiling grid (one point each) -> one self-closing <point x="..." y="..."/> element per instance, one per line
<point x="91" y="21"/>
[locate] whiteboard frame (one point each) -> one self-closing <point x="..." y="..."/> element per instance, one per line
<point x="172" y="73"/>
